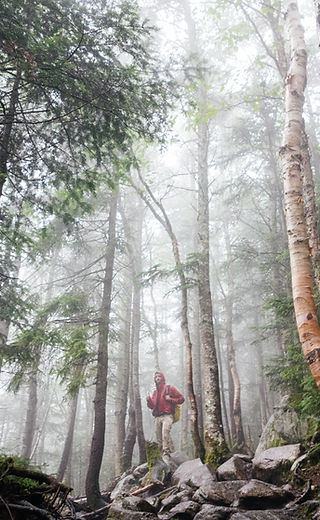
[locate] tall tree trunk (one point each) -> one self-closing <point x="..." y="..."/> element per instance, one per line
<point x="136" y="322"/>
<point x="155" y="331"/>
<point x="97" y="444"/>
<point x="31" y="417"/>
<point x="214" y="436"/>
<point x="292" y="164"/>
<point x="123" y="376"/>
<point x="215" y="445"/>
<point x="66" y="454"/>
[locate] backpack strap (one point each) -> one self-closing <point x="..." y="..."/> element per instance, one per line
<point x="167" y="390"/>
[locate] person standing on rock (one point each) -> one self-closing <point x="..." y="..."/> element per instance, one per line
<point x="162" y="403"/>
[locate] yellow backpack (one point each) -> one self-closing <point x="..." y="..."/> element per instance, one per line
<point x="175" y="408"/>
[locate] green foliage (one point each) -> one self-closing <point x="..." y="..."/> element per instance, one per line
<point x="70" y="341"/>
<point x="291" y="374"/>
<point x="282" y="306"/>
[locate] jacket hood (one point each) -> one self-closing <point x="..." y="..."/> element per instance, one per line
<point x="163" y="379"/>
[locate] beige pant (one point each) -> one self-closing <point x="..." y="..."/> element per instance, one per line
<point x="163" y="427"/>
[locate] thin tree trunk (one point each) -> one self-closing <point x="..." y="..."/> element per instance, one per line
<point x="260" y="378"/>
<point x="155" y="331"/>
<point x="236" y="403"/>
<point x="131" y="434"/>
<point x="215" y="446"/>
<point x="136" y="322"/>
<point x="134" y="246"/>
<point x="223" y="391"/>
<point x="31" y="417"/>
<point x="97" y="444"/>
<point x="184" y="409"/>
<point x="292" y="164"/>
<point x="165" y="222"/>
<point x="310" y="208"/>
<point x="123" y="377"/>
<point x="197" y="361"/>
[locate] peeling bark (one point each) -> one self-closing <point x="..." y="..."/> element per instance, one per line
<point x="292" y="165"/>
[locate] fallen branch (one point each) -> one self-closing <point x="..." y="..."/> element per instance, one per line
<point x="149" y="486"/>
<point x="303" y="497"/>
<point x="97" y="512"/>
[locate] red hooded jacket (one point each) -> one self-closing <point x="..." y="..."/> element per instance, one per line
<point x="157" y="402"/>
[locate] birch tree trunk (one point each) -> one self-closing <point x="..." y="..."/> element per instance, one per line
<point x="292" y="165"/>
<point x="97" y="443"/>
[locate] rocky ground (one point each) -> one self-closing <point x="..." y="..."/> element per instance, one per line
<point x="268" y="487"/>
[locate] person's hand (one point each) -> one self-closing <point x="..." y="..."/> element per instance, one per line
<point x="167" y="398"/>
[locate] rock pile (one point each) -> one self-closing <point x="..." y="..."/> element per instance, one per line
<point x="240" y="489"/>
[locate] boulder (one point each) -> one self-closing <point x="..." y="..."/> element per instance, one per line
<point x="275" y="514"/>
<point x="168" y="502"/>
<point x="239" y="467"/>
<point x="273" y="465"/>
<point x="193" y="473"/>
<point x="283" y="427"/>
<point x="140" y="471"/>
<point x="124" y="487"/>
<point x="160" y="471"/>
<point x="117" y="512"/>
<point x="179" y="457"/>
<point x="261" y="495"/>
<point x="211" y="512"/>
<point x="187" y="509"/>
<point x="135" y="503"/>
<point x="220" y="493"/>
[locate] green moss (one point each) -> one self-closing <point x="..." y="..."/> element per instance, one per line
<point x="277" y="441"/>
<point x="12" y="485"/>
<point x="216" y="453"/>
<point x="153" y="453"/>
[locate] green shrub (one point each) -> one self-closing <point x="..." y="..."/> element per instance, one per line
<point x="291" y="374"/>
